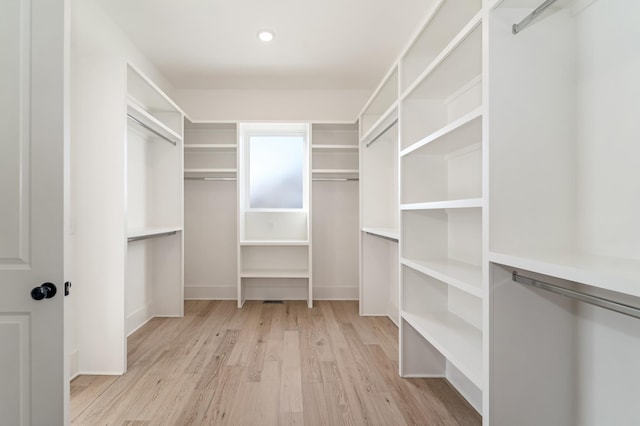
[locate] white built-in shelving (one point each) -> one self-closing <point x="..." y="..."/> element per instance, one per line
<point x="441" y="201"/>
<point x="129" y="239"/>
<point x="334" y="204"/>
<point x="274" y="248"/>
<point x="210" y="180"/>
<point x="379" y="215"/>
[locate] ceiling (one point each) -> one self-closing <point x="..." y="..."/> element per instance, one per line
<point x="213" y="44"/>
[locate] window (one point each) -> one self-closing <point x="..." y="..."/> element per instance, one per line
<point x="276" y="171"/>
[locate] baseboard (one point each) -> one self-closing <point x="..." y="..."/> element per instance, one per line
<point x="269" y="292"/>
<point x="74" y="365"/>
<point x="335" y="293"/>
<point x="211" y="292"/>
<point x="137" y="319"/>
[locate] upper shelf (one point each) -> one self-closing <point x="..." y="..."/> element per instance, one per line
<point x="150" y="123"/>
<point x="615" y="274"/>
<point x="149" y="98"/>
<point x="210" y="147"/>
<point x="380" y="105"/>
<point x="336" y="148"/>
<point x="446" y="20"/>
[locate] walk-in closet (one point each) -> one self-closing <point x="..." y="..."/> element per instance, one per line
<point x="320" y="213"/>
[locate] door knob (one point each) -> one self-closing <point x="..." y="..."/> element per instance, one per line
<point x="44" y="291"/>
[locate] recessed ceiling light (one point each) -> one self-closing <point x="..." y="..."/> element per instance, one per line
<point x="266" y="35"/>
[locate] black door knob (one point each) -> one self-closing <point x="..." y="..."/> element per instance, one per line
<point x="45" y="291"/>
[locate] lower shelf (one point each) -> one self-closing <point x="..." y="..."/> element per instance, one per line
<point x="455" y="338"/>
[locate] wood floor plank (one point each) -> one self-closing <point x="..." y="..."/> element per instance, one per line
<point x="266" y="364"/>
<point x="291" y="381"/>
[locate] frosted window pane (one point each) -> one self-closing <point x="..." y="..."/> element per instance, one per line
<point x="276" y="172"/>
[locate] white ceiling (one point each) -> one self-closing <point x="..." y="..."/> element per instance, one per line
<point x="322" y="44"/>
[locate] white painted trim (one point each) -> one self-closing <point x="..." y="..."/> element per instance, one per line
<point x="138" y="318"/>
<point x="202" y="292"/>
<point x="74" y="364"/>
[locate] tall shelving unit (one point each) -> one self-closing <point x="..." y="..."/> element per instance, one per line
<point x="274" y="245"/>
<point x="128" y="246"/>
<point x="154" y="264"/>
<point x="210" y="225"/>
<point x="564" y="96"/>
<point x="334" y="201"/>
<point x="379" y="222"/>
<point x="442" y="284"/>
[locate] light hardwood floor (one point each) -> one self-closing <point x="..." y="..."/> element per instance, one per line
<point x="266" y="364"/>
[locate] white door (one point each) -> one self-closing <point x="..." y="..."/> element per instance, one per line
<point x="33" y="36"/>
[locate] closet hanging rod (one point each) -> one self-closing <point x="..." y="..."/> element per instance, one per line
<point x="212" y="178"/>
<point x="516" y="28"/>
<point x="146" y="237"/>
<point x="393" y="123"/>
<point x="335" y="179"/>
<point x="149" y="128"/>
<point x="602" y="302"/>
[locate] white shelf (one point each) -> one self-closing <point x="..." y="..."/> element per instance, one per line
<point x="334" y="171"/>
<point x="437" y="205"/>
<point x="445" y="54"/>
<point x="335" y="147"/>
<point x="221" y="170"/>
<point x="445" y="21"/>
<point x="210" y="147"/>
<point x="456" y="339"/>
<point x="152" y="231"/>
<point x="152" y="122"/>
<point x="390" y="233"/>
<point x="615" y="274"/>
<point x="385" y="120"/>
<point x="456" y="135"/>
<point x="463" y="276"/>
<point x="274" y="243"/>
<point x="277" y="273"/>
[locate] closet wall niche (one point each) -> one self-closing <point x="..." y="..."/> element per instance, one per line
<point x="210" y="210"/>
<point x="274" y="222"/>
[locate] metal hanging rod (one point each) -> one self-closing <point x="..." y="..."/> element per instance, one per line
<point x="212" y="178"/>
<point x="393" y="123"/>
<point x="335" y="179"/>
<point x="146" y="237"/>
<point x="516" y="28"/>
<point x="152" y="130"/>
<point x="612" y="305"/>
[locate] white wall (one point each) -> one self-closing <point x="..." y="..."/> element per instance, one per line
<point x="272" y="105"/>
